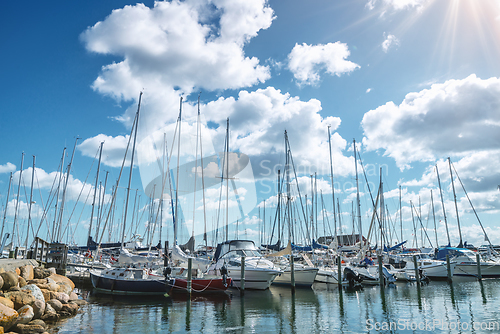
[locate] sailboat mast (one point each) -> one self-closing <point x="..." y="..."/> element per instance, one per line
<point x="400" y="214"/>
<point x="17" y="200"/>
<point x="357" y="195"/>
<point x="287" y="171"/>
<point x="333" y="187"/>
<point x="202" y="182"/>
<point x="59" y="224"/>
<point x="434" y="216"/>
<point x="6" y="205"/>
<point x="227" y="179"/>
<point x="442" y="202"/>
<point x="176" y="215"/>
<point x="95" y="193"/>
<point x="131" y="169"/>
<point x="460" y="245"/>
<point x="30" y="205"/>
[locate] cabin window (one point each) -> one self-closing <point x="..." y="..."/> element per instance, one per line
<point x="121" y="274"/>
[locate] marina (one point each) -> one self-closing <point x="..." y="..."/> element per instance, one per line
<point x="250" y="166"/>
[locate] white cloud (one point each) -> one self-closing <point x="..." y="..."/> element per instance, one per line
<point x="389" y="41"/>
<point x="368" y="90"/>
<point x="306" y="61"/>
<point x="257" y="124"/>
<point x="457" y="118"/>
<point x="113" y="149"/>
<point x="175" y="48"/>
<point x="396" y="4"/>
<point x="8" y="167"/>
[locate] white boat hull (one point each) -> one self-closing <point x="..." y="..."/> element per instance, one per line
<point x="255" y="278"/>
<point x="303" y="277"/>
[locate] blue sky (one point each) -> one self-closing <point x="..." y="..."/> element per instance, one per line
<point x="413" y="81"/>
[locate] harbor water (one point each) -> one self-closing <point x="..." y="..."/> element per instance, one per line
<point x="465" y="306"/>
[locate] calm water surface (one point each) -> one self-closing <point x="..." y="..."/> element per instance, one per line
<point x="466" y="306"/>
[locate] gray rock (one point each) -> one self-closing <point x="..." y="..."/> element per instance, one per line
<point x="38" y="308"/>
<point x="26" y="314"/>
<point x="35" y="291"/>
<point x="56" y="304"/>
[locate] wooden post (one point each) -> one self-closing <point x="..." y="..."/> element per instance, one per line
<point x="292" y="273"/>
<point x="448" y="268"/>
<point x="381" y="277"/>
<point x="417" y="274"/>
<point x="242" y="281"/>
<point x="190" y="275"/>
<point x="339" y="271"/>
<point x="478" y="262"/>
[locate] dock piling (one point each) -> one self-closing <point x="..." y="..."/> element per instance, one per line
<point x="478" y="263"/>
<point x="190" y="275"/>
<point x="448" y="268"/>
<point x="292" y="273"/>
<point x="242" y="285"/>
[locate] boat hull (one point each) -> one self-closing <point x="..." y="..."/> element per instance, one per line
<point x="201" y="285"/>
<point x="470" y="269"/>
<point x="304" y="277"/>
<point x="255" y="278"/>
<point x="117" y="286"/>
<point x="326" y="276"/>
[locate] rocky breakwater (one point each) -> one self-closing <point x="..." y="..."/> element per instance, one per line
<point x="32" y="297"/>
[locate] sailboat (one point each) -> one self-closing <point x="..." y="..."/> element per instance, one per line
<point x="129" y="280"/>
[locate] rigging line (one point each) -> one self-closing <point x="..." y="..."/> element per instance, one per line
<point x="220" y="193"/>
<point x="371" y="197"/>
<point x="422" y="226"/>
<point x="78" y="198"/>
<point x="473" y="209"/>
<point x="113" y="199"/>
<point x="81" y="213"/>
<point x="298" y="189"/>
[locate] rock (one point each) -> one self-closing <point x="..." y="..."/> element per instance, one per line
<point x="18" y="271"/>
<point x="50" y="314"/>
<point x="53" y="287"/>
<point x="38" y="322"/>
<point x="7" y="302"/>
<point x="28" y="329"/>
<point x="9" y="280"/>
<point x="50" y="280"/>
<point x="68" y="310"/>
<point x="15" y="288"/>
<point x="38" y="308"/>
<point x="48" y="295"/>
<point x="52" y="270"/>
<point x="71" y="308"/>
<point x="56" y="304"/>
<point x="62" y="279"/>
<point x="35" y="291"/>
<point x="26" y="314"/>
<point x="8" y="317"/>
<point x="40" y="273"/>
<point x="64" y="287"/>
<point x="63" y="297"/>
<point x="22" y="282"/>
<point x="37" y="281"/>
<point x="73" y="296"/>
<point x="79" y="302"/>
<point x="42" y="286"/>
<point x="1" y="281"/>
<point x="20" y="298"/>
<point x="27" y="272"/>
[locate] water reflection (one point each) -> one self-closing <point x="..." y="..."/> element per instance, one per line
<point x="321" y="309"/>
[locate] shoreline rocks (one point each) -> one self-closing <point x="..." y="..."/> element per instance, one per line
<point x="33" y="297"/>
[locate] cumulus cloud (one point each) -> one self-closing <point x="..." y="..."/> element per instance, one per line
<point x="257" y="124"/>
<point x="455" y="118"/>
<point x="113" y="149"/>
<point x="176" y="48"/>
<point x="8" y="167"/>
<point x="306" y="61"/>
<point x="390" y="41"/>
